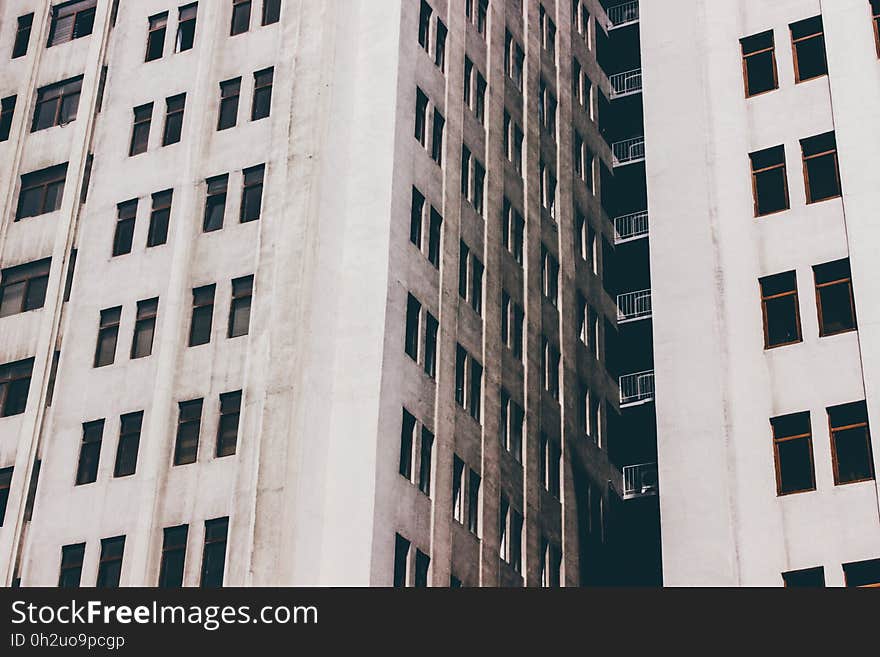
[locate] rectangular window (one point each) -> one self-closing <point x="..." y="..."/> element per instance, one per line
<point x="41" y="191"/>
<point x="401" y="559"/>
<point x="769" y="181"/>
<point x="110" y="565"/>
<point x="71" y="566"/>
<point x="549" y="275"/>
<point x="5" y="485"/>
<point x="126" y="215"/>
<point x="440" y="46"/>
<point x="173" y="556"/>
<point x="511" y="425"/>
<point x="7" y="111"/>
<point x="108" y="333"/>
<point x="793" y="451"/>
<point x="57" y="104"/>
<point x="89" y="452"/>
<point x="759" y="63"/>
<point x="863" y="574"/>
<point x="230" y="94"/>
<point x="821" y="173"/>
<point x="806" y="578"/>
<point x="514" y="60"/>
<point x="434" y="238"/>
<point x="808" y="44"/>
<point x="423" y="562"/>
<point x="477" y="12"/>
<point x="551" y="457"/>
<point x="550" y="358"/>
<point x="71" y="20"/>
<point x="202" y="315"/>
<point x="23" y="288"/>
<point x="511" y="535"/>
<point x="513" y="232"/>
<point x="548" y="190"/>
<point x="22" y="36"/>
<point x="174" y="109"/>
<point x="129" y="442"/>
<point x="140" y="131"/>
<point x="271" y="11"/>
<point x="158" y="25"/>
<point x="15" y="381"/>
<point x="551" y="564"/>
<point x="413" y="319"/>
<point x="144" y="328"/>
<point x="420" y="130"/>
<point x="189" y="423"/>
<point x="548" y="31"/>
<point x="160" y="217"/>
<point x="468" y="382"/>
<point x="186" y="27"/>
<point x="512" y="325"/>
<point x="432" y="327"/>
<point x="215" y="203"/>
<point x="262" y="104"/>
<point x="465" y="495"/>
<point x="779" y="304"/>
<point x="850" y="443"/>
<point x="214" y="553"/>
<point x="426" y="451"/>
<point x="416" y="217"/>
<point x="407" y="444"/>
<point x="425" y="12"/>
<point x="227" y="428"/>
<point x="437" y="137"/>
<point x="241" y="17"/>
<point x="834" y="298"/>
<point x="240" y="308"/>
<point x="252" y="194"/>
<point x="547" y="105"/>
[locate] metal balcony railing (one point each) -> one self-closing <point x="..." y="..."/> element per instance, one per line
<point x="628" y="150"/>
<point x="626" y="83"/>
<point x="630" y="226"/>
<point x="640" y="480"/>
<point x="633" y="305"/>
<point x="622" y="14"/>
<point x="636" y="388"/>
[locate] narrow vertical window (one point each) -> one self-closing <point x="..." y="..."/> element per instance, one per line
<point x="424" y="25"/>
<point x="186" y="27"/>
<point x="779" y="304"/>
<point x="22" y="36"/>
<point x="230" y="93"/>
<point x="834" y="298"/>
<point x="173" y="556"/>
<point x="440" y="46"/>
<point x="7" y="111"/>
<point x="89" y="452"/>
<point x="110" y="565"/>
<point x="240" y="308"/>
<point x="793" y="451"/>
<point x="214" y="553"/>
<point x="432" y="327"/>
<point x="851" y="453"/>
<point x="144" y="328"/>
<point x="126" y="214"/>
<point x="808" y="44"/>
<point x="821" y="172"/>
<point x="458" y="489"/>
<point x="759" y="63"/>
<point x="160" y="217"/>
<point x="129" y="442"/>
<point x="189" y="422"/>
<point x="140" y="132"/>
<point x="421" y="116"/>
<point x="476" y="389"/>
<point x="202" y="315"/>
<point x="473" y="507"/>
<point x="262" y="104"/>
<point x="158" y="26"/>
<point x="401" y="559"/>
<point x="416" y="217"/>
<point x="71" y="566"/>
<point x="5" y="485"/>
<point x="407" y="442"/>
<point x="271" y="11"/>
<point x="437" y="137"/>
<point x="215" y="203"/>
<point x="227" y="428"/>
<point x="108" y="333"/>
<point x="252" y="194"/>
<point x="460" y="375"/>
<point x="174" y="109"/>
<point x="241" y="17"/>
<point x="434" y="238"/>
<point x="423" y="562"/>
<point x="769" y="181"/>
<point x="426" y="451"/>
<point x="413" y="323"/>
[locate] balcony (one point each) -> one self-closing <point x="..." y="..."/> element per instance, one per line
<point x="626" y="83"/>
<point x="636" y="388"/>
<point x="628" y="151"/>
<point x="640" y="480"/>
<point x="633" y="306"/>
<point x="630" y="227"/>
<point x="622" y="15"/>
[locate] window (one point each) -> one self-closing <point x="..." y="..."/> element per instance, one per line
<point x="512" y="325"/>
<point x="71" y="565"/>
<point x="214" y="553"/>
<point x="416" y="471"/>
<point x="549" y="275"/>
<point x="426" y="451"/>
<point x="144" y="328"/>
<point x="160" y="216"/>
<point x="202" y="315"/>
<point x="862" y="573"/>
<point x="514" y="60"/>
<point x="5" y="485"/>
<point x="437" y="137"/>
<point x="22" y="36"/>
<point x="252" y="194"/>
<point x="89" y="452"/>
<point x="173" y="556"/>
<point x="511" y="535"/>
<point x="140" y="132"/>
<point x="769" y="181"/>
<point x="550" y="368"/>
<point x="468" y="382"/>
<point x="440" y="46"/>
<point x="806" y="578"/>
<point x="779" y="304"/>
<point x="551" y="564"/>
<point x="413" y="318"/>
<point x="551" y="457"/>
<point x="15" y="381"/>
<point x="423" y="562"/>
<point x="174" y="108"/>
<point x="548" y="190"/>
<point x="476" y="12"/>
<point x="227" y="429"/>
<point x="759" y="63"/>
<point x="68" y="279"/>
<point x="129" y="441"/>
<point x="108" y="332"/>
<point x="126" y="214"/>
<point x="512" y="417"/>
<point x="271" y="11"/>
<point x="71" y="20"/>
<point x="432" y="328"/>
<point x="87" y="178"/>
<point x="262" y="104"/>
<point x="230" y="92"/>
<point x="583" y="161"/>
<point x="110" y="565"/>
<point x="416" y="217"/>
<point x="23" y="288"/>
<point x="547" y="108"/>
<point x="875" y="13"/>
<point x="158" y="25"/>
<point x="7" y="110"/>
<point x="421" y="116"/>
<point x="470" y="281"/>
<point x="240" y="308"/>
<point x="435" y="233"/>
<point x="548" y="31"/>
<point x="513" y="231"/>
<point x="241" y="17"/>
<point x="407" y="444"/>
<point x="102" y="85"/>
<point x="793" y="452"/>
<point x="425" y="12"/>
<point x="850" y="443"/>
<point x="513" y="143"/>
<point x="215" y="203"/>
<point x="57" y="104"/>
<point x="401" y="558"/>
<point x="834" y="298"/>
<point x="189" y="423"/>
<point x="465" y="495"/>
<point x="186" y="27"/>
<point x="41" y="191"/>
<point x="474" y="90"/>
<point x="808" y="43"/>
<point x="821" y="172"/>
<point x="473" y="176"/>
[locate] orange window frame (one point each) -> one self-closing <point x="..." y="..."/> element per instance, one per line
<point x="852" y="305"/>
<point x="832" y="430"/>
<point x="813" y="156"/>
<point x="764" y="300"/>
<point x="745" y="58"/>
<point x="776" y="458"/>
<point x="755" y="172"/>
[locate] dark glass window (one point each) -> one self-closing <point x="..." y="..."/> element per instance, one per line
<point x="23" y="288"/>
<point x="413" y="320"/>
<point x="227" y="430"/>
<point x="241" y="17"/>
<point x="189" y="422"/>
<point x="5" y="485"/>
<point x="72" y="20"/>
<point x="271" y="11"/>
<point x="401" y="557"/>
<point x="15" y="381"/>
<point x="821" y="173"/>
<point x="808" y="43"/>
<point x="129" y="443"/>
<point x="262" y="105"/>
<point x="834" y="297"/>
<point x="423" y="562"/>
<point x="230" y="94"/>
<point x="432" y="327"/>
<point x="806" y="578"/>
<point x="144" y="328"/>
<point x="416" y="217"/>
<point x="57" y="104"/>
<point x="186" y="27"/>
<point x="793" y="450"/>
<point x="126" y="215"/>
<point x="202" y="315"/>
<point x="140" y="132"/>
<point x="850" y="443"/>
<point x="108" y="332"/>
<point x="779" y="304"/>
<point x="240" y="308"/>
<point x="7" y="111"/>
<point x="421" y="117"/>
<point x="158" y="26"/>
<point x="425" y="12"/>
<point x="437" y="137"/>
<point x="426" y="451"/>
<point x="173" y="556"/>
<point x="71" y="566"/>
<point x="90" y="452"/>
<point x="215" y="203"/>
<point x="862" y="573"/>
<point x="769" y="180"/>
<point x="759" y="63"/>
<point x="22" y="36"/>
<point x="160" y="217"/>
<point x="41" y="191"/>
<point x="407" y="441"/>
<point x="174" y="109"/>
<point x="110" y="565"/>
<point x="214" y="554"/>
<point x="434" y="237"/>
<point x="252" y="194"/>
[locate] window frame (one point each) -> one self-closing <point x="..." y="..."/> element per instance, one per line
<point x="818" y="286"/>
<point x="746" y="56"/>
<point x="814" y="156"/>
<point x="778" y="440"/>
<point x="802" y="39"/>
<point x="832" y="431"/>
<point x="784" y="166"/>
<point x="771" y="297"/>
